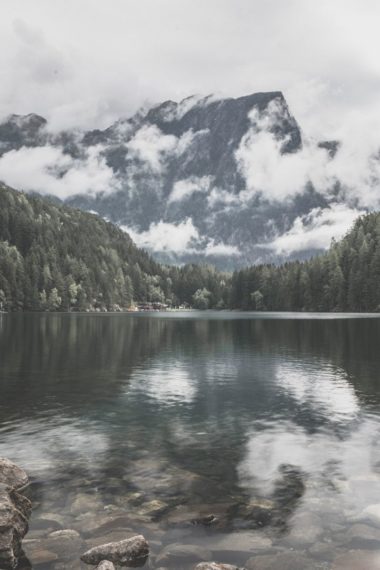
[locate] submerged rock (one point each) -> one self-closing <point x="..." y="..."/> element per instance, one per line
<point x="357" y="560"/>
<point x="178" y="553"/>
<point x="283" y="561"/>
<point x="208" y="520"/>
<point x="130" y="552"/>
<point x="257" y="513"/>
<point x="361" y="535"/>
<point x="105" y="565"/>
<point x="215" y="566"/>
<point x="153" y="508"/>
<point x="12" y="475"/>
<point x="15" y="511"/>
<point x="63" y="544"/>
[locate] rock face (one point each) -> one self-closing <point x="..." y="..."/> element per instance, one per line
<point x="191" y="164"/>
<point x="15" y="511"/>
<point x="130" y="552"/>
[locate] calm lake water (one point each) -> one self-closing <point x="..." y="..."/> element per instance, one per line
<point x="152" y="423"/>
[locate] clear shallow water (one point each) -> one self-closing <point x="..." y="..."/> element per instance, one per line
<point x="144" y="423"/>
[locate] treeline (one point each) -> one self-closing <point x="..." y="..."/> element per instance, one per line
<point x="346" y="278"/>
<point x="56" y="258"/>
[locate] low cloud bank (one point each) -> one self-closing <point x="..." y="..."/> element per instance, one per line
<point x="182" y="238"/>
<point x="47" y="170"/>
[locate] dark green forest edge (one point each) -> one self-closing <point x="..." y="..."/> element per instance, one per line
<point x="55" y="258"/>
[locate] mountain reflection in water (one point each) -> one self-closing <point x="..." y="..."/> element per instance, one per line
<point x="152" y="423"/>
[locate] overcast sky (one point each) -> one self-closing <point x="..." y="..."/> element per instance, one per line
<point x="87" y="62"/>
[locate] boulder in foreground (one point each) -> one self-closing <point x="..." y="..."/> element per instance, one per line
<point x="130" y="552"/>
<point x="15" y="511"/>
<point x="12" y="475"/>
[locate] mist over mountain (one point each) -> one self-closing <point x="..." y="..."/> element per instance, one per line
<point x="230" y="181"/>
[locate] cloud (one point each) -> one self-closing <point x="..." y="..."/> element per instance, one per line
<point x="315" y="230"/>
<point x="170" y="385"/>
<point x="166" y="237"/>
<point x="180" y="238"/>
<point x="278" y="176"/>
<point x="183" y="189"/>
<point x="218" y="196"/>
<point x="220" y="249"/>
<point x="97" y="63"/>
<point x="150" y="145"/>
<point x="48" y="170"/>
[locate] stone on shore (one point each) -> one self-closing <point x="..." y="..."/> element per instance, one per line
<point x="15" y="511"/>
<point x="11" y="475"/>
<point x="130" y="552"/>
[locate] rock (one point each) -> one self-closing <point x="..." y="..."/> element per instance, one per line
<point x="113" y="536"/>
<point x="239" y="542"/>
<point x="258" y="513"/>
<point x="85" y="503"/>
<point x="362" y="535"/>
<point x="15" y="511"/>
<point x="95" y="526"/>
<point x="178" y="553"/>
<point x="130" y="552"/>
<point x="198" y="515"/>
<point x="306" y="528"/>
<point x="323" y="550"/>
<point x="372" y="513"/>
<point x="65" y="534"/>
<point x="105" y="565"/>
<point x="65" y="544"/>
<point x="208" y="520"/>
<point x="11" y="475"/>
<point x="215" y="566"/>
<point x="43" y="556"/>
<point x="357" y="560"/>
<point x="49" y="518"/>
<point x="289" y="487"/>
<point x="153" y="508"/>
<point x="283" y="561"/>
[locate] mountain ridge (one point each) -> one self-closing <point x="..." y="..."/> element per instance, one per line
<point x="187" y="180"/>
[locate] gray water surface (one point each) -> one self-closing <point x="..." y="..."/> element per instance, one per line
<point x="149" y="423"/>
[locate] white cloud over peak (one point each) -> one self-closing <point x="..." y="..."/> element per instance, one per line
<point x="101" y="60"/>
<point x="150" y="145"/>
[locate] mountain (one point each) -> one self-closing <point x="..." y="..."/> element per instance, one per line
<point x="205" y="179"/>
<point x="53" y="257"/>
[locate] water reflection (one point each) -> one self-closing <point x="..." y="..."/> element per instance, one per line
<point x="271" y="424"/>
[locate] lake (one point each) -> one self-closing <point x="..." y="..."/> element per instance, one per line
<point x="247" y="437"/>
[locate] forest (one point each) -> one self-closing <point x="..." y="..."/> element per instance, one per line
<point x="56" y="258"/>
